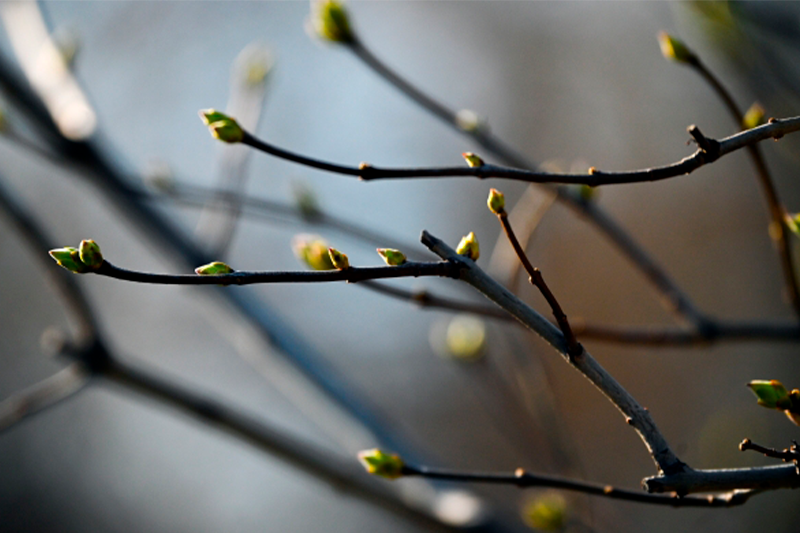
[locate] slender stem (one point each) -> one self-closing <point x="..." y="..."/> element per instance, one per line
<point x="636" y="415"/>
<point x="523" y="479"/>
<point x="574" y="348"/>
<point x="776" y="210"/>
<point x="787" y="455"/>
<point x="351" y="275"/>
<point x="595" y="178"/>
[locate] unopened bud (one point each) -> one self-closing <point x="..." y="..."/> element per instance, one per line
<point x="217" y="268"/>
<point x="496" y="201"/>
<point x="313" y="251"/>
<point x="392" y="257"/>
<point x="771" y="394"/>
<point x="90" y="255"/>
<point x="331" y="21"/>
<point x="469" y="247"/>
<point x="339" y="260"/>
<point x="792" y="222"/>
<point x="379" y="463"/>
<point x="674" y="49"/>
<point x="753" y="117"/>
<point x="222" y="126"/>
<point x="70" y="259"/>
<point x="472" y="160"/>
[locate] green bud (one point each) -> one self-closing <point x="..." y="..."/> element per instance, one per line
<point x="90" y="255"/>
<point x="331" y="21"/>
<point x="338" y="259"/>
<point x="381" y="464"/>
<point x="771" y="394"/>
<point x="674" y="49"/>
<point x="792" y="222"/>
<point x="753" y="117"/>
<point x="469" y="247"/>
<point x="392" y="257"/>
<point x="222" y="126"/>
<point x="496" y="201"/>
<point x="546" y="513"/>
<point x="217" y="268"/>
<point x="313" y="251"/>
<point x="70" y="259"/>
<point x="472" y="160"/>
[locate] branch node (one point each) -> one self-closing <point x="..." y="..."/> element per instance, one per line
<point x="710" y="147"/>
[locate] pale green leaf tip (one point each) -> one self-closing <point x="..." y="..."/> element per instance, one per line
<point x="216" y="268"/>
<point x="391" y="256"/>
<point x="469" y="247"/>
<point x="313" y="251"/>
<point x="69" y="258"/>
<point x="675" y="49"/>
<point x="331" y="21"/>
<point x="472" y="159"/>
<point x="771" y="394"/>
<point x="90" y="255"/>
<point x="222" y="126"/>
<point x="338" y="259"/>
<point x="496" y="201"/>
<point x="379" y="463"/>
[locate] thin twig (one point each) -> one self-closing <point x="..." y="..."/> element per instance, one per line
<point x="636" y="415"/>
<point x="595" y="178"/>
<point x="787" y="455"/>
<point x="351" y="275"/>
<point x="523" y="479"/>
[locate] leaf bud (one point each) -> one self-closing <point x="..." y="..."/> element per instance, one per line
<point x="338" y="259"/>
<point x="469" y="247"/>
<point x="391" y="256"/>
<point x="771" y="394"/>
<point x="472" y="160"/>
<point x="90" y="255"/>
<point x="313" y="251"/>
<point x="217" y="268"/>
<point x="753" y="117"/>
<point x="222" y="126"/>
<point x="496" y="201"/>
<point x="379" y="463"/>
<point x="70" y="259"/>
<point x="331" y="22"/>
<point x="674" y="49"/>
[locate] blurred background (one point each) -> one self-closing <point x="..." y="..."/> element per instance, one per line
<point x="570" y="84"/>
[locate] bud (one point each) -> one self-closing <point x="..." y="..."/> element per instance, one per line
<point x="90" y="255"/>
<point x="469" y="247"/>
<point x="392" y="257"/>
<point x="674" y="49"/>
<point x="496" y="201"/>
<point x="468" y="120"/>
<point x="546" y="513"/>
<point x="217" y="268"/>
<point x="70" y="259"/>
<point x="753" y="117"/>
<point x="771" y="394"/>
<point x="466" y="338"/>
<point x="792" y="222"/>
<point x="331" y="21"/>
<point x="472" y="160"/>
<point x="381" y="464"/>
<point x="338" y="259"/>
<point x="313" y="251"/>
<point x="222" y="126"/>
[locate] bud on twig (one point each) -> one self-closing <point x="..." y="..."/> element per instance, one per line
<point x="773" y="395"/>
<point x="496" y="201"/>
<point x="338" y="259"/>
<point x="469" y="247"/>
<point x="217" y="268"/>
<point x="70" y="259"/>
<point x="222" y="126"/>
<point x="391" y="256"/>
<point x="381" y="464"/>
<point x="674" y="49"/>
<point x="313" y="251"/>
<point x="90" y="255"/>
<point x="331" y="21"/>
<point x="472" y="160"/>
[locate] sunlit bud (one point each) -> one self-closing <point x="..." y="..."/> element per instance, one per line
<point x="313" y="251"/>
<point x="466" y="338"/>
<point x="792" y="222"/>
<point x="468" y="120"/>
<point x="469" y="247"/>
<point x="217" y="268"/>
<point x="472" y="160"/>
<point x="306" y="202"/>
<point x="331" y="21"/>
<point x="378" y="463"/>
<point x="546" y="513"/>
<point x="70" y="259"/>
<point x="753" y="117"/>
<point x="771" y="394"/>
<point x="222" y="126"/>
<point x="674" y="49"/>
<point x="392" y="257"/>
<point x="90" y="255"/>
<point x="496" y="201"/>
<point x="339" y="260"/>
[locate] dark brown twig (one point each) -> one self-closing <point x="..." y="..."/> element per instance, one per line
<point x="787" y="455"/>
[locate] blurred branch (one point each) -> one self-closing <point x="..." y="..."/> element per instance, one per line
<point x="351" y="275"/>
<point x="775" y="129"/>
